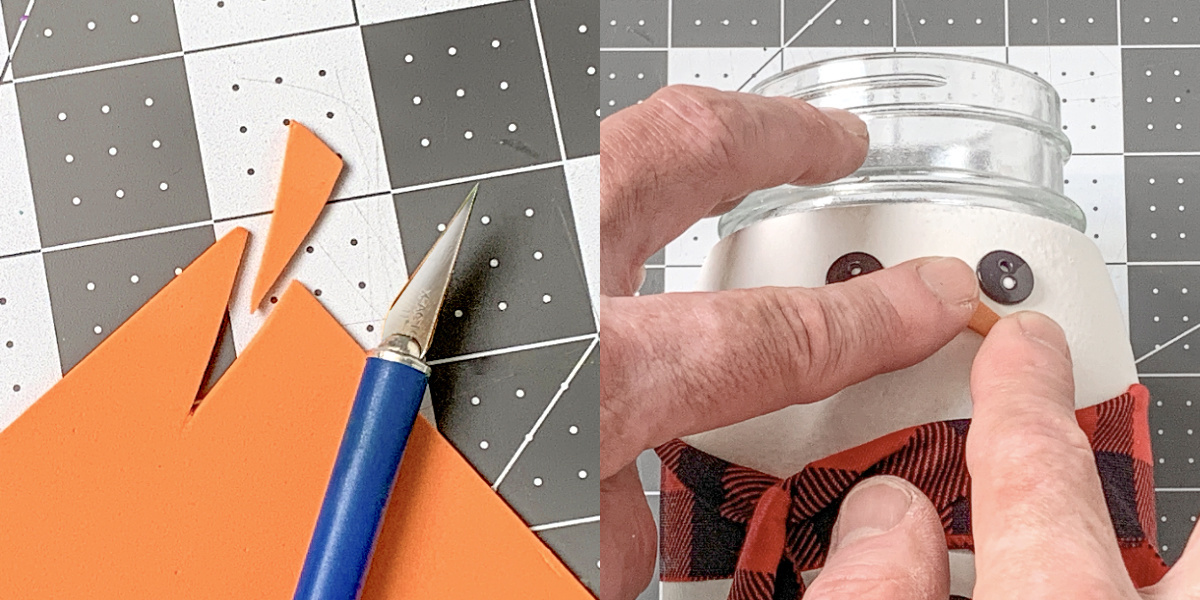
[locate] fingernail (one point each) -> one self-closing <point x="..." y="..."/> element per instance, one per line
<point x="950" y="279"/>
<point x="848" y="120"/>
<point x="873" y="507"/>
<point x="1044" y="330"/>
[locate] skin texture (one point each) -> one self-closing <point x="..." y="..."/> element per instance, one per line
<point x="677" y="364"/>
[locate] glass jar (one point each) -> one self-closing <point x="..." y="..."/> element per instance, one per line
<point x="944" y="129"/>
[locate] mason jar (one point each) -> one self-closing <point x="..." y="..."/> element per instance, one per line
<point x="966" y="160"/>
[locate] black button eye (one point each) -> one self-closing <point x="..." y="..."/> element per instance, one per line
<point x="852" y="265"/>
<point x="1005" y="277"/>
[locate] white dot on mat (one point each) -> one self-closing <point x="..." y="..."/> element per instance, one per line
<point x="1149" y="72"/>
<point x="949" y="21"/>
<point x="483" y="444"/>
<point x="1163" y="519"/>
<point x="1154" y="291"/>
<point x="458" y="313"/>
<point x="1161" y="461"/>
<point x="502" y="305"/>
<point x="922" y="21"/>
<point x="1177" y="72"/>
<point x="416" y="99"/>
<point x="451" y="50"/>
<point x="545" y="298"/>
<point x="1033" y="20"/>
<point x="91" y="286"/>
<point x="583" y="29"/>
<point x="1091" y="19"/>
<point x="62" y="116"/>
<point x="1174" y="19"/>
<point x="1160" y="432"/>
<point x="485" y="219"/>
<point x="1156" y="318"/>
<point x="1189" y="432"/>
<point x="1146" y="19"/>
<point x="529" y="212"/>
<point x="866" y="21"/>
<point x="583" y="474"/>
<point x="1187" y="403"/>
<point x="698" y="22"/>
<point x="70" y="158"/>
<point x="468" y="134"/>
<point x="1179" y="181"/>
<point x="120" y="193"/>
<point x="520" y="393"/>
<point x="48" y="32"/>
<point x="441" y="227"/>
<point x="495" y="43"/>
<point x="754" y="22"/>
<point x="573" y="430"/>
<point x="512" y="127"/>
<point x="1150" y="126"/>
<point x="75" y="200"/>
<point x="104" y="109"/>
<point x="537" y="482"/>
<point x="178" y="270"/>
<point x="112" y="151"/>
<point x="504" y="85"/>
<point x="979" y="21"/>
<point x="837" y="21"/>
<point x="91" y="25"/>
<point x="1185" y="318"/>
<point x="134" y="279"/>
<point x="591" y="70"/>
<point x="475" y="400"/>
<point x="612" y="75"/>
<point x="97" y="329"/>
<point x="424" y="142"/>
<point x="537" y="255"/>
<point x="1182" y="235"/>
<point x="1154" y="236"/>
<point x="641" y="23"/>
<point x="460" y="92"/>
<point x="1062" y="20"/>
<point x="133" y="18"/>
<point x="156" y="143"/>
<point x="149" y="101"/>
<point x="493" y="263"/>
<point x="1179" y="126"/>
<point x="408" y="58"/>
<point x="163" y="186"/>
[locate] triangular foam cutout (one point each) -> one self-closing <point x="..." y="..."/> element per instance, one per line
<point x="108" y="489"/>
<point x="310" y="169"/>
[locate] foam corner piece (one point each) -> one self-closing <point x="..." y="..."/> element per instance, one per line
<point x="310" y="170"/>
<point x="113" y="485"/>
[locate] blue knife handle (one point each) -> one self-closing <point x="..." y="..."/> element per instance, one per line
<point x="385" y="408"/>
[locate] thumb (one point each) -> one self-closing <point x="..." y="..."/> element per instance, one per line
<point x="888" y="544"/>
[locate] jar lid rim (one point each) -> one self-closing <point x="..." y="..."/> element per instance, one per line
<point x="899" y="55"/>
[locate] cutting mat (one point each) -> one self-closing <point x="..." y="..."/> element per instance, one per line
<point x="133" y="134"/>
<point x="1127" y="71"/>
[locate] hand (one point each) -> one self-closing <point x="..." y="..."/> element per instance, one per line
<point x="677" y="364"/>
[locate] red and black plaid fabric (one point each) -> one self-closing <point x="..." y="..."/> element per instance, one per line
<point x="725" y="521"/>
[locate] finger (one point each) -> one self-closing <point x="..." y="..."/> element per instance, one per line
<point x="1038" y="511"/>
<point x="677" y="364"/>
<point x="888" y="544"/>
<point x="1183" y="580"/>
<point x="628" y="540"/>
<point x="670" y="160"/>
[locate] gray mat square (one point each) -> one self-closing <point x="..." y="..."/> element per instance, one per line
<point x="654" y="283"/>
<point x="724" y="24"/>
<point x="633" y="23"/>
<point x="1162" y="107"/>
<point x="485" y="406"/>
<point x="557" y="478"/>
<point x="69" y="35"/>
<point x="94" y="285"/>
<point x="122" y="141"/>
<point x="1062" y="22"/>
<point x="571" y="31"/>
<point x="1164" y="301"/>
<point x="1179" y="509"/>
<point x="1162" y="214"/>
<point x="958" y="23"/>
<point x="1175" y="430"/>
<point x="534" y="291"/>
<point x="1160" y="22"/>
<point x="629" y="78"/>
<point x="501" y="120"/>
<point x="846" y="23"/>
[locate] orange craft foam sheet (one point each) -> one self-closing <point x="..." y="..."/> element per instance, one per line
<point x="113" y="485"/>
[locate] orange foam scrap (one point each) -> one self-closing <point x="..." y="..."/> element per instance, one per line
<point x="110" y="487"/>
<point x="310" y="169"/>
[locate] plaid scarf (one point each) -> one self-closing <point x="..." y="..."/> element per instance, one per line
<point x="725" y="521"/>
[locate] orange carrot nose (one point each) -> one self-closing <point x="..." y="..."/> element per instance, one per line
<point x="983" y="320"/>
